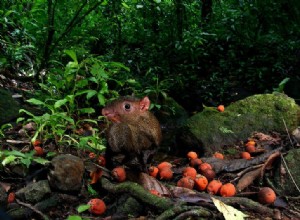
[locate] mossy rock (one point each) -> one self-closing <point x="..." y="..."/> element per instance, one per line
<point x="9" y="108"/>
<point x="262" y="113"/>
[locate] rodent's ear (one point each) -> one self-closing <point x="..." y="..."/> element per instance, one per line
<point x="145" y="104"/>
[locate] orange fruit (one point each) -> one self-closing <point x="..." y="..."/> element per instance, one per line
<point x="164" y="165"/>
<point x="214" y="186"/>
<point x="11" y="197"/>
<point x="251" y="142"/>
<point x="119" y="174"/>
<point x="218" y="155"/>
<point x="201" y="182"/>
<point x="192" y="155"/>
<point x="221" y="108"/>
<point x="209" y="174"/>
<point x="266" y="195"/>
<point x="153" y="171"/>
<point x="245" y="155"/>
<point x="97" y="206"/>
<point x="204" y="166"/>
<point x="250" y="148"/>
<point x="166" y="173"/>
<point x="101" y="160"/>
<point x="227" y="190"/>
<point x="186" y="182"/>
<point x="195" y="162"/>
<point x="38" y="151"/>
<point x="189" y="172"/>
<point x="154" y="192"/>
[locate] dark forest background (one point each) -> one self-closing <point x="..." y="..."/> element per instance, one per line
<point x="197" y="52"/>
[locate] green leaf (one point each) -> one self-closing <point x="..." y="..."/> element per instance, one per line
<point x="87" y="110"/>
<point x="15" y="153"/>
<point x="36" y="102"/>
<point x="26" y="161"/>
<point x="101" y="99"/>
<point x="27" y="112"/>
<point x="59" y="103"/>
<point x="83" y="208"/>
<point x="8" y="159"/>
<point x="91" y="93"/>
<point x="41" y="160"/>
<point x="72" y="54"/>
<point x="125" y="5"/>
<point x="74" y="217"/>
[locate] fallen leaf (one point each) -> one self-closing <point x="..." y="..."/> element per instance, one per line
<point x="228" y="212"/>
<point x="248" y="179"/>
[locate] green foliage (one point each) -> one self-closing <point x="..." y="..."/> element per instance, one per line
<point x="3" y="128"/>
<point x="243" y="45"/>
<point x="16" y="157"/>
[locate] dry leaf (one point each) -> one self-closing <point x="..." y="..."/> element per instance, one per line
<point x="228" y="212"/>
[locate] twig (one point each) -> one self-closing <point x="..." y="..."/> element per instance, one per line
<point x="32" y="208"/>
<point x="289" y="172"/>
<point x="286" y="166"/>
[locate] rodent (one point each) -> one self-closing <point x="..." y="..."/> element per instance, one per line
<point x="134" y="129"/>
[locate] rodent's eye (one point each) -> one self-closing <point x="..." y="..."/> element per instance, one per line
<point x="127" y="106"/>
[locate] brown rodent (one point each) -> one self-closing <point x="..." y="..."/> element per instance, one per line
<point x="134" y="129"/>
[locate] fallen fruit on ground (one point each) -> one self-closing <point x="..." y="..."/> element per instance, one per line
<point x="186" y="182"/>
<point x="221" y="108"/>
<point x="227" y="190"/>
<point x="192" y="155"/>
<point x="119" y="174"/>
<point x="11" y="197"/>
<point x="195" y="162"/>
<point x="153" y="171"/>
<point x="218" y="155"/>
<point x="209" y="174"/>
<point x="189" y="172"/>
<point x="245" y="155"/>
<point x="101" y="160"/>
<point x="266" y="195"/>
<point x="214" y="186"/>
<point x="250" y="148"/>
<point x="163" y="165"/>
<point x="154" y="192"/>
<point x="166" y="174"/>
<point x="38" y="151"/>
<point x="204" y="166"/>
<point x="201" y="182"/>
<point x="98" y="207"/>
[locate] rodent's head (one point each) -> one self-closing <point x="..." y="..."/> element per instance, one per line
<point x="126" y="109"/>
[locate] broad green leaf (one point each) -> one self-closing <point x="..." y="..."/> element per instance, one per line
<point x="41" y="160"/>
<point x="72" y="54"/>
<point x="91" y="93"/>
<point x="26" y="161"/>
<point x="59" y="103"/>
<point x="101" y="99"/>
<point x="74" y="217"/>
<point x="36" y="102"/>
<point x="83" y="208"/>
<point x="15" y="153"/>
<point x="8" y="160"/>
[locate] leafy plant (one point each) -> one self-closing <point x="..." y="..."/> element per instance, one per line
<point x="3" y="128"/>
<point x="17" y="157"/>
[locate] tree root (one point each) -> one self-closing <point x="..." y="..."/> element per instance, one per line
<point x="137" y="191"/>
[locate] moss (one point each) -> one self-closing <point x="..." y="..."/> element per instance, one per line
<point x="264" y="112"/>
